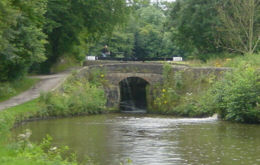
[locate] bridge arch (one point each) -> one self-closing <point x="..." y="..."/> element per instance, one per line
<point x="133" y="94"/>
<point x="151" y="78"/>
<point x="152" y="73"/>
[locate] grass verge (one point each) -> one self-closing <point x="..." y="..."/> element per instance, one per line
<point x="225" y="60"/>
<point x="76" y="97"/>
<point x="64" y="64"/>
<point x="22" y="151"/>
<point x="11" y="89"/>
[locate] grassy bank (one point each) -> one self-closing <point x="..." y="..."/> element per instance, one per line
<point x="22" y="152"/>
<point x="227" y="60"/>
<point x="64" y="64"/>
<point x="10" y="89"/>
<point x="180" y="93"/>
<point x="234" y="95"/>
<point x="77" y="96"/>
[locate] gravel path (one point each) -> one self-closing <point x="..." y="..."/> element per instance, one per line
<point x="46" y="83"/>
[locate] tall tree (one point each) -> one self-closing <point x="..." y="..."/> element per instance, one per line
<point x="150" y="32"/>
<point x="194" y="23"/>
<point x="21" y="37"/>
<point x="144" y="35"/>
<point x="71" y="22"/>
<point x="240" y="28"/>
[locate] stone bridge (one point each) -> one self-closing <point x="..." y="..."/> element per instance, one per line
<point x="140" y="73"/>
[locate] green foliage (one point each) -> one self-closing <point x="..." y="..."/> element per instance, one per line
<point x="144" y="35"/>
<point x="14" y="115"/>
<point x="204" y="28"/>
<point x="76" y="97"/>
<point x="228" y="60"/>
<point x="23" y="152"/>
<point x="236" y="97"/>
<point x="13" y="88"/>
<point x="195" y="22"/>
<point x="152" y="39"/>
<point x="33" y="31"/>
<point x="181" y="94"/>
<point x="240" y="24"/>
<point x="64" y="64"/>
<point x="73" y="25"/>
<point x="21" y="37"/>
<point x="252" y="60"/>
<point x="121" y="44"/>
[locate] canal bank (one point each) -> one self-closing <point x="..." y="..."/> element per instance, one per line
<point x="151" y="139"/>
<point x="86" y="96"/>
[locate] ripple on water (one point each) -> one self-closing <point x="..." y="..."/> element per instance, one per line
<point x="153" y="140"/>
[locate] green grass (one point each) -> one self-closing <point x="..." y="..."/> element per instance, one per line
<point x="24" y="111"/>
<point x="78" y="98"/>
<point x="22" y="152"/>
<point x="249" y="60"/>
<point x="226" y="60"/>
<point x="11" y="89"/>
<point x="64" y="64"/>
<point x="19" y="113"/>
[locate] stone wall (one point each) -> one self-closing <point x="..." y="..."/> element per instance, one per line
<point x="150" y="72"/>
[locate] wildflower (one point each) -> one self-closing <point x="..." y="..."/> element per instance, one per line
<point x="228" y="59"/>
<point x="53" y="148"/>
<point x="26" y="135"/>
<point x="189" y="94"/>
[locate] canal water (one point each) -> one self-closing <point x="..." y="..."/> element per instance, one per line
<point x="152" y="140"/>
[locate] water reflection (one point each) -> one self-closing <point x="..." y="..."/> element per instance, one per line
<point x="153" y="140"/>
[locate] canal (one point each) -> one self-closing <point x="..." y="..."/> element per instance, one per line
<point x="151" y="139"/>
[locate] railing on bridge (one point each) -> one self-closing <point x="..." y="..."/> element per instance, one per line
<point x="131" y="59"/>
<point x="134" y="59"/>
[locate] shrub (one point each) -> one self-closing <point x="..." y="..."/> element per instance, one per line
<point x="181" y="94"/>
<point x="77" y="96"/>
<point x="13" y="88"/>
<point x="248" y="59"/>
<point x="237" y="96"/>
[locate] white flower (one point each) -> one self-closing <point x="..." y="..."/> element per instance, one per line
<point x="189" y="94"/>
<point x="53" y="148"/>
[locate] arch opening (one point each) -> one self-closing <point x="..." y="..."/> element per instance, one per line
<point x="133" y="95"/>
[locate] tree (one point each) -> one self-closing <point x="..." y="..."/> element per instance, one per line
<point x="144" y="35"/>
<point x="195" y="23"/>
<point x="240" y="28"/>
<point x="73" y="23"/>
<point x="120" y="44"/>
<point x="149" y="35"/>
<point x="21" y="37"/>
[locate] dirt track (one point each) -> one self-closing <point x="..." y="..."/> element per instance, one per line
<point x="46" y="83"/>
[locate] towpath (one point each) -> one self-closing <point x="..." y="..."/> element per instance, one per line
<point x="46" y="83"/>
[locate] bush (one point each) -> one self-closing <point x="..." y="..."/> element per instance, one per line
<point x="248" y="59"/>
<point x="77" y="96"/>
<point x="13" y="88"/>
<point x="181" y="94"/>
<point x="237" y="96"/>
